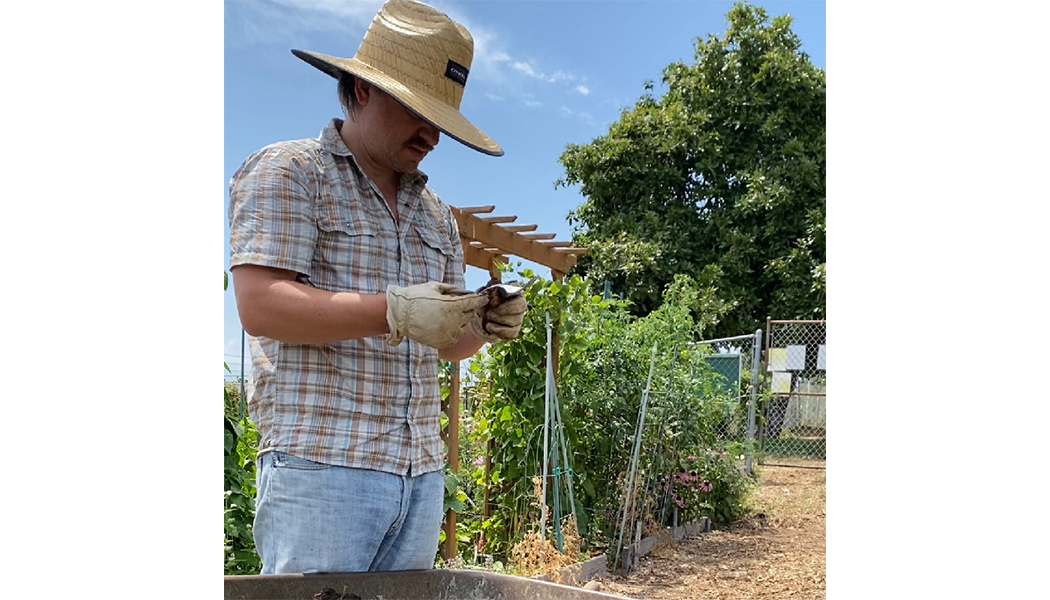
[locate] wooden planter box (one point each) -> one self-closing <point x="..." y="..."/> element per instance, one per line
<point x="434" y="584"/>
<point x="630" y="554"/>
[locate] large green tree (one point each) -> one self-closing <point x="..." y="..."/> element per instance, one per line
<point x="721" y="178"/>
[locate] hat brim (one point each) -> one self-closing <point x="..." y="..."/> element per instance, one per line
<point x="447" y="119"/>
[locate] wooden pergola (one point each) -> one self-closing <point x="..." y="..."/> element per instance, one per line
<point x="487" y="242"/>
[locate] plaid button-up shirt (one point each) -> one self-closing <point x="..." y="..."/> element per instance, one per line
<point x="306" y="206"/>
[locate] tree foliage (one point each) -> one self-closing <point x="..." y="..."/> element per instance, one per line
<point x="722" y="178"/>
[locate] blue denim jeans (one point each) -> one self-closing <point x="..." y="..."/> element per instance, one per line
<point x="311" y="517"/>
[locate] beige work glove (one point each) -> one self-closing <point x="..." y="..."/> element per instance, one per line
<point x="501" y="316"/>
<point x="430" y="313"/>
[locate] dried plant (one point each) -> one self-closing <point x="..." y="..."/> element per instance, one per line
<point x="535" y="554"/>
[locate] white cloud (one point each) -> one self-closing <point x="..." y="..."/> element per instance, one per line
<point x="493" y="62"/>
<point x="560" y="76"/>
<point x="357" y="9"/>
<point x="586" y="118"/>
<point x="494" y="97"/>
<point x="527" y="69"/>
<point x="293" y="22"/>
<point x="260" y="22"/>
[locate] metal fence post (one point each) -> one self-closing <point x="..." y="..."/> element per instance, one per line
<point x="756" y="358"/>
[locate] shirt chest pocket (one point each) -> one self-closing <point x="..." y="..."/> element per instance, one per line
<point x="348" y="256"/>
<point x="432" y="253"/>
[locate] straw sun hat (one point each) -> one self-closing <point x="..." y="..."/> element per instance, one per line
<point x="422" y="58"/>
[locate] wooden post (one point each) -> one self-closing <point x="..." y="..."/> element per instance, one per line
<point x="486" y="508"/>
<point x="494" y="263"/>
<point x="452" y="440"/>
<point x="451" y="437"/>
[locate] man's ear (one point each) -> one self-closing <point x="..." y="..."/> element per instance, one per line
<point x="363" y="89"/>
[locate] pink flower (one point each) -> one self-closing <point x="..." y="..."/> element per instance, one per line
<point x="691" y="457"/>
<point x="479" y="461"/>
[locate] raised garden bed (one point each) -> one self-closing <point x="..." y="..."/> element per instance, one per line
<point x="630" y="555"/>
<point x="435" y="584"/>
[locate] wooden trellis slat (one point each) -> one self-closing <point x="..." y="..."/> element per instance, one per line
<point x="491" y="236"/>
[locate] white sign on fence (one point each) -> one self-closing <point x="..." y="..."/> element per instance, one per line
<point x="796" y="358"/>
<point x="781" y="383"/>
<point x="778" y="359"/>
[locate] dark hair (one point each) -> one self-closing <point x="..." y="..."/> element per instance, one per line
<point x="347" y="93"/>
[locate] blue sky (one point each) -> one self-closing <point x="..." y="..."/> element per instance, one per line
<point x="545" y="74"/>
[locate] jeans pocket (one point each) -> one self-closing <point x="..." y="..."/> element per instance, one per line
<point x="282" y="460"/>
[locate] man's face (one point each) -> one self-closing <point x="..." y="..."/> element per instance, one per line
<point x="399" y="140"/>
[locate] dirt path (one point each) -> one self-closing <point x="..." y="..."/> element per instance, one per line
<point x="776" y="552"/>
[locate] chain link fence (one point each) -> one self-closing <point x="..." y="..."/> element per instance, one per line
<point x="736" y="360"/>
<point x="792" y="428"/>
<point x="771" y="392"/>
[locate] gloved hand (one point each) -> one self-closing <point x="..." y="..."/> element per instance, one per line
<point x="501" y="316"/>
<point x="430" y="313"/>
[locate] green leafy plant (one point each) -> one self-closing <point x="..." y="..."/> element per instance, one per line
<point x="711" y="484"/>
<point x="240" y="442"/>
<point x="239" y="446"/>
<point x="604" y="359"/>
<point x="685" y="492"/>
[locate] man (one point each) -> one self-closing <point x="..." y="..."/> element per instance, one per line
<point x="348" y="271"/>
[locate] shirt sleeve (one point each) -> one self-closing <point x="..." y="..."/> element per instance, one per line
<point x="271" y="211"/>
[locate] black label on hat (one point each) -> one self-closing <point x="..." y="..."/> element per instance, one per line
<point x="457" y="72"/>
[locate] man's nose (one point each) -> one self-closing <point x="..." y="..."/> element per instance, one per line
<point x="429" y="133"/>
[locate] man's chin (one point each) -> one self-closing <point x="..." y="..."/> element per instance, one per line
<point x="409" y="166"/>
